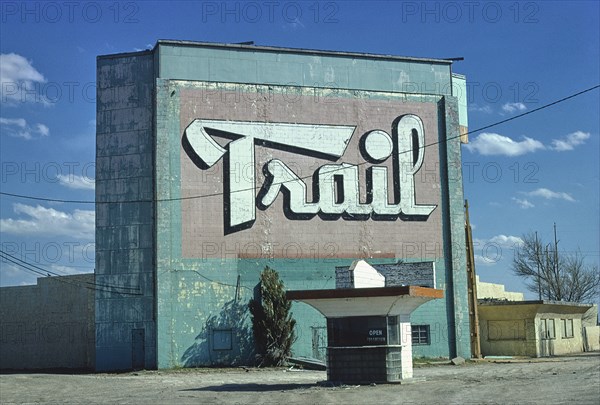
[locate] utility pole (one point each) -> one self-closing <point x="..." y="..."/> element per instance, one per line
<point x="472" y="288"/>
<point x="549" y="293"/>
<point x="560" y="297"/>
<point x="537" y="259"/>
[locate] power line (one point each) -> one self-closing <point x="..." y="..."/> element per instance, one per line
<point x="23" y="266"/>
<point x="33" y="270"/>
<point x="28" y="197"/>
<point x="52" y="273"/>
<point x="538" y="109"/>
<point x="49" y="273"/>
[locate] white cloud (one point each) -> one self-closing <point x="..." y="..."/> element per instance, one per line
<point x="40" y="220"/>
<point x="19" y="128"/>
<point x="506" y="241"/>
<point x="477" y="108"/>
<point x="61" y="269"/>
<point x="512" y="107"/>
<point x="490" y="251"/>
<point x="570" y="141"/>
<point x="495" y="144"/>
<point x="13" y="275"/>
<point x="76" y="182"/>
<point x="293" y="25"/>
<point x="550" y="195"/>
<point x="14" y="67"/>
<point x="503" y="241"/>
<point x="18" y="80"/>
<point x="523" y="203"/>
<point x="42" y="129"/>
<point x="147" y="48"/>
<point x="18" y="122"/>
<point x="484" y="261"/>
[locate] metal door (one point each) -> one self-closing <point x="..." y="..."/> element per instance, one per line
<point x="137" y="349"/>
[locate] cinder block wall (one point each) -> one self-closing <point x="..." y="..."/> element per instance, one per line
<point x="49" y="325"/>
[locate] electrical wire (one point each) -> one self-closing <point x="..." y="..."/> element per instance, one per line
<point x="49" y="273"/>
<point x="212" y="281"/>
<point x="26" y="267"/>
<point x="174" y="199"/>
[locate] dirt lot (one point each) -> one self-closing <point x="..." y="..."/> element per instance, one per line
<point x="541" y="381"/>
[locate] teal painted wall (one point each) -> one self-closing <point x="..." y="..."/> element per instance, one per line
<point x="247" y="65"/>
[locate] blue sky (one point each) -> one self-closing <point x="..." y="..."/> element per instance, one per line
<point x="520" y="176"/>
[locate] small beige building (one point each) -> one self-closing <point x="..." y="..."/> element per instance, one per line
<point x="531" y="328"/>
<point x="511" y="326"/>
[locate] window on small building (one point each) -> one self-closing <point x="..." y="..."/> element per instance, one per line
<point x="567" y="328"/>
<point x="393" y="330"/>
<point x="551" y="329"/>
<point x="420" y="335"/>
<point x="548" y="330"/>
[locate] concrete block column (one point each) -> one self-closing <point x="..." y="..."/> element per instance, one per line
<point x="406" y="339"/>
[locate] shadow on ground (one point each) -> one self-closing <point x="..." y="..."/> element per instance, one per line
<point x="253" y="387"/>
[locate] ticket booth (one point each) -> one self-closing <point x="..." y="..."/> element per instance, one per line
<point x="368" y="330"/>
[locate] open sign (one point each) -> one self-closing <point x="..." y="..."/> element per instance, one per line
<point x="376" y="332"/>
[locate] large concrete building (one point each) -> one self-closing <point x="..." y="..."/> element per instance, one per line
<point x="216" y="160"/>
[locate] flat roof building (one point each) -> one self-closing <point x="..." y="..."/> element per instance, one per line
<point x="534" y="328"/>
<point x="215" y="160"/>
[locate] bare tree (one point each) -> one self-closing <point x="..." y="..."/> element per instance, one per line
<point x="553" y="275"/>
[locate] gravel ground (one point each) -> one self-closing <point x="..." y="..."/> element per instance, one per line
<point x="572" y="379"/>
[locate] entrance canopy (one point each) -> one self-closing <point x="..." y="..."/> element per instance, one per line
<point x="378" y="301"/>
